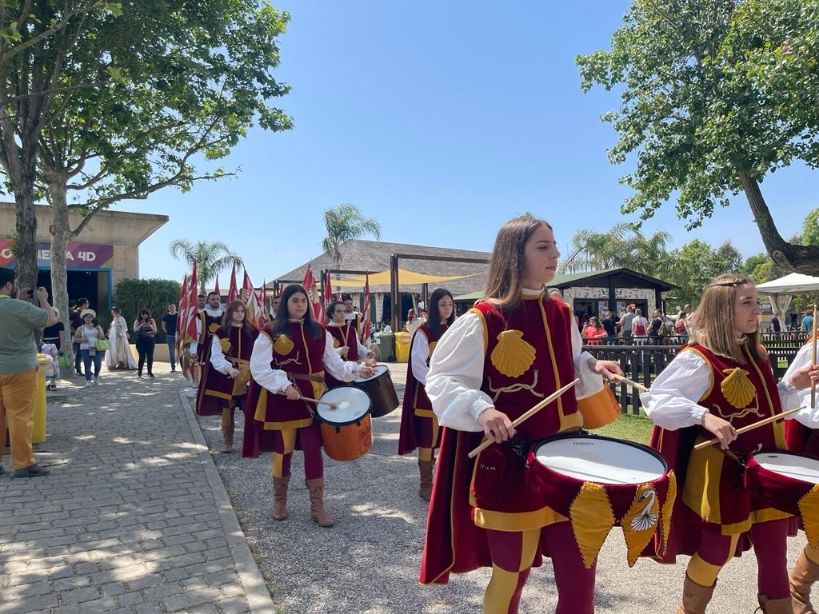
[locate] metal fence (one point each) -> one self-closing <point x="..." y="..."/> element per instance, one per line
<point x="642" y="363"/>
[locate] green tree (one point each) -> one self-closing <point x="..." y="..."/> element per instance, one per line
<point x="624" y="245"/>
<point x="131" y="295"/>
<point x="163" y="83"/>
<point x="345" y="223"/>
<point x="36" y="40"/>
<point x="810" y="228"/>
<point x="696" y="263"/>
<point x="210" y="258"/>
<point x="715" y="94"/>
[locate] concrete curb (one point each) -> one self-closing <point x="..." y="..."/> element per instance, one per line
<point x="258" y="597"/>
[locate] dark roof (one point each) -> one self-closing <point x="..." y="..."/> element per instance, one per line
<point x="622" y="278"/>
<point x="374" y="257"/>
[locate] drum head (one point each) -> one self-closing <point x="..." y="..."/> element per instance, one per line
<point x="602" y="460"/>
<point x="790" y="465"/>
<point x="379" y="370"/>
<point x="351" y="404"/>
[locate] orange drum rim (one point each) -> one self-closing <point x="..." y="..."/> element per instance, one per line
<point x="599" y="409"/>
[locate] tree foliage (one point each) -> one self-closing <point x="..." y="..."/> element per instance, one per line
<point x="696" y="263"/>
<point x="345" y="223"/>
<point x="810" y="228"/>
<point x="131" y="295"/>
<point x="715" y="94"/>
<point x="210" y="258"/>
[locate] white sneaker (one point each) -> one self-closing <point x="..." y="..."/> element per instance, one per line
<point x="87" y="383"/>
<point x="96" y="380"/>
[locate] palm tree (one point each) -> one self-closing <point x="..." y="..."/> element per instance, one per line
<point x="345" y="223"/>
<point x="210" y="258"/>
<point x="622" y="246"/>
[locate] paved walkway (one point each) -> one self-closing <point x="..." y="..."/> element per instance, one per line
<point x="133" y="517"/>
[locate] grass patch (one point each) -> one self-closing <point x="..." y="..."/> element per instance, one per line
<point x="630" y="427"/>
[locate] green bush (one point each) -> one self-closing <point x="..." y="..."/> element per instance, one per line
<point x="131" y="295"/>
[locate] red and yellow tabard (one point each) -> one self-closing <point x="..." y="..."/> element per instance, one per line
<point x="419" y="424"/>
<point x="218" y="390"/>
<point x="301" y="357"/>
<point x="714" y="489"/>
<point x="343" y="335"/>
<point x="518" y="375"/>
<point x="209" y="325"/>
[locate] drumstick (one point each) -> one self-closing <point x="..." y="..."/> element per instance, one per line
<point x="529" y="413"/>
<point x="813" y="383"/>
<point x="750" y="427"/>
<point x="317" y="401"/>
<point x="630" y="382"/>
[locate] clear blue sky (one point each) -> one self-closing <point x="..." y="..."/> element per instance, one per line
<point x="441" y="120"/>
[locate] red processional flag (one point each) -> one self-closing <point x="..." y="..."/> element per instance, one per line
<point x="263" y="299"/>
<point x="216" y="288"/>
<point x="328" y="291"/>
<point x="253" y="311"/>
<point x="233" y="291"/>
<point x="366" y="326"/>
<point x="191" y="311"/>
<point x="313" y="295"/>
<point x="183" y="302"/>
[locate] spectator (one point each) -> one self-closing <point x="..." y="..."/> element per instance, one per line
<point x="626" y="323"/>
<point x="54" y="337"/>
<point x="776" y="324"/>
<point x="386" y="329"/>
<point x="681" y="327"/>
<point x="639" y="327"/>
<point x="145" y="330"/>
<point x="87" y="336"/>
<point x="18" y="368"/>
<point x="594" y="332"/>
<point x="807" y="322"/>
<point x="656" y="328"/>
<point x="202" y="301"/>
<point x="169" y="327"/>
<point x="76" y="322"/>
<point x="119" y="356"/>
<point x="609" y="323"/>
<point x="413" y="322"/>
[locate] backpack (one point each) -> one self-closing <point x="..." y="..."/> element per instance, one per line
<point x="639" y="327"/>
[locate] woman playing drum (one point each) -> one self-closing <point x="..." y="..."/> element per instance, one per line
<point x="721" y="382"/>
<point x="511" y="351"/>
<point x="806" y="440"/>
<point x="226" y="374"/>
<point x="345" y="339"/>
<point x="288" y="362"/>
<point x="419" y="426"/>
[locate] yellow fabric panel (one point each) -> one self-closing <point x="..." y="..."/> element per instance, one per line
<point x="500" y="591"/>
<point x="592" y="519"/>
<point x="640" y="521"/>
<point x="812" y="552"/>
<point x="517" y="521"/>
<point x="701" y="488"/>
<point x="809" y="508"/>
<point x="424" y="454"/>
<point x="668" y="508"/>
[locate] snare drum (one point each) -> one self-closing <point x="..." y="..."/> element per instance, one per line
<point x="788" y="482"/>
<point x="380" y="389"/>
<point x="598" y="482"/>
<point x="346" y="428"/>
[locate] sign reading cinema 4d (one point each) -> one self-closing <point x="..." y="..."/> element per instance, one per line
<point x="77" y="256"/>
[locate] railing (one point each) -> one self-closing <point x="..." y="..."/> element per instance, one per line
<point x="643" y="363"/>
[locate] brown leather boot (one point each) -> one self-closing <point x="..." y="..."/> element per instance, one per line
<point x="425" y="469"/>
<point x="280" y="497"/>
<point x="317" y="511"/>
<point x="803" y="575"/>
<point x="775" y="606"/>
<point x="695" y="597"/>
<point x="227" y="434"/>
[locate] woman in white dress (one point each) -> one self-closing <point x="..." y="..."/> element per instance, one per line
<point x="119" y="356"/>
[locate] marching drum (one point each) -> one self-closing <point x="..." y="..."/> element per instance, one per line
<point x="598" y="482"/>
<point x="788" y="482"/>
<point x="346" y="427"/>
<point x="380" y="389"/>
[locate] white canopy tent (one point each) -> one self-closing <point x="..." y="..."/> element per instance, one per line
<point x="781" y="290"/>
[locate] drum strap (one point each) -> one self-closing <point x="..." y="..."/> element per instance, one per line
<point x="310" y="377"/>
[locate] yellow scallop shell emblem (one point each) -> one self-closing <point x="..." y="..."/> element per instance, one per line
<point x="213" y="328"/>
<point x="512" y="355"/>
<point x="225" y="343"/>
<point x="737" y="388"/>
<point x="283" y="345"/>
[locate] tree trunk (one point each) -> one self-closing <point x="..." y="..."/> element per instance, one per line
<point x="790" y="257"/>
<point x="25" y="241"/>
<point x="60" y="235"/>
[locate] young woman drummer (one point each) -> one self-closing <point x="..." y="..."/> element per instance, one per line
<point x="495" y="362"/>
<point x="719" y="383"/>
<point x="805" y="440"/>
<point x="419" y="426"/>
<point x="345" y="339"/>
<point x="226" y="374"/>
<point x="288" y="363"/>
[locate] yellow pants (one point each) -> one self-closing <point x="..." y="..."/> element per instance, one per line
<point x="17" y="412"/>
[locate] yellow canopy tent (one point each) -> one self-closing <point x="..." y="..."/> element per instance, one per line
<point x="405" y="278"/>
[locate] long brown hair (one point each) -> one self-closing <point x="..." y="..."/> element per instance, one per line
<point x="282" y="320"/>
<point x="506" y="267"/>
<point x="714" y="324"/>
<point x="227" y="319"/>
